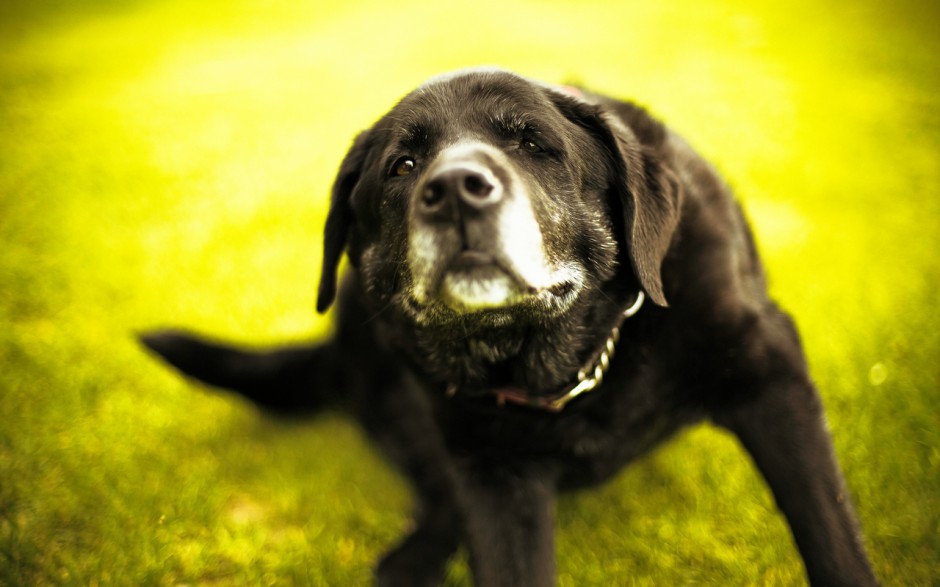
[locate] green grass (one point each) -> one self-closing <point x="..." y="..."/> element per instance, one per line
<point x="168" y="163"/>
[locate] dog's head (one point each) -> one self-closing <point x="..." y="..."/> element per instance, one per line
<point x="485" y="194"/>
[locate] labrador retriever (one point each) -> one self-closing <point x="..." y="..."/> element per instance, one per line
<point x="544" y="283"/>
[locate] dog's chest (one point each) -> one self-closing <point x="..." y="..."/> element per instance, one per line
<point x="585" y="443"/>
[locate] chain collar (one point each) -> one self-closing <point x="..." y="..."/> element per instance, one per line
<point x="589" y="377"/>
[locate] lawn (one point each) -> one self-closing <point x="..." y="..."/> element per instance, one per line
<point x="169" y="163"/>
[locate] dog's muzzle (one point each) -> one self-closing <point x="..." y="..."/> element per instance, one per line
<point x="474" y="240"/>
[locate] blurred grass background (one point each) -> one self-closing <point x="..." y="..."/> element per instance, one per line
<point x="168" y="163"/>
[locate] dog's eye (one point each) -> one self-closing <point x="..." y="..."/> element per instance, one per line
<point x="402" y="167"/>
<point x="530" y="146"/>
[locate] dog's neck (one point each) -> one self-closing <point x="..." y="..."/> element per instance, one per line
<point x="589" y="376"/>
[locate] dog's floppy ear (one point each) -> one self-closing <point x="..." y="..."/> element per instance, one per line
<point x="648" y="191"/>
<point x="340" y="219"/>
<point x="652" y="200"/>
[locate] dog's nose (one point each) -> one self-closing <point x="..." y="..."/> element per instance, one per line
<point x="467" y="185"/>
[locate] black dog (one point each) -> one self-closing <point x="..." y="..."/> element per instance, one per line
<point x="506" y="238"/>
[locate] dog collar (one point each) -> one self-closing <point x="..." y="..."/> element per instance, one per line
<point x="589" y="377"/>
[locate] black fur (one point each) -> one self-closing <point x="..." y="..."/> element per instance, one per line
<point x="628" y="204"/>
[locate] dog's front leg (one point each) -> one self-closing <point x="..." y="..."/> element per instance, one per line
<point x="784" y="431"/>
<point x="420" y="559"/>
<point x="508" y="522"/>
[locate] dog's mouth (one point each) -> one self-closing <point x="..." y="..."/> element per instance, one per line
<point x="476" y="281"/>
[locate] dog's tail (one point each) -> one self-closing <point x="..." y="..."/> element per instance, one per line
<point x="287" y="381"/>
